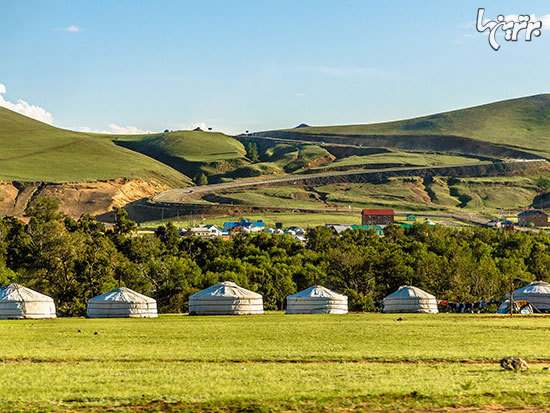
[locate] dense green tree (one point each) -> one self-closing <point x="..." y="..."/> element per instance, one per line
<point x="169" y="236"/>
<point x="74" y="260"/>
<point x="123" y="225"/>
<point x="201" y="179"/>
<point x="252" y="152"/>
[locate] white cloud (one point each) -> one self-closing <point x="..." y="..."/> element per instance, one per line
<point x="300" y="94"/>
<point x="114" y="129"/>
<point x="124" y="130"/>
<point x="24" y="108"/>
<point x="70" y="29"/>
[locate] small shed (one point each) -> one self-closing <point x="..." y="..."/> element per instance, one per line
<point x="409" y="299"/>
<point x="226" y="298"/>
<point x="17" y="301"/>
<point x="317" y="300"/>
<point x="122" y="303"/>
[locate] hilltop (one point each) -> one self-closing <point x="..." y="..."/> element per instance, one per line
<point x="509" y="128"/>
<point x="86" y="173"/>
<point x="33" y="151"/>
<point x="190" y="152"/>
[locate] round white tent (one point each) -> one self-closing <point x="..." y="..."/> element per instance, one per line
<point x="537" y="293"/>
<point x="17" y="301"/>
<point x="408" y="299"/>
<point x="226" y="298"/>
<point x="317" y="300"/>
<point x="121" y="303"/>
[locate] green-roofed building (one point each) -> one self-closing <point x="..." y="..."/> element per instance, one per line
<point x="377" y="228"/>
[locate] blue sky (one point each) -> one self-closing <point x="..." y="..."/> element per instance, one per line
<point x="256" y="65"/>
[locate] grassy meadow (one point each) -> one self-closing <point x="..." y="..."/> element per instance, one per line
<point x="520" y="123"/>
<point x="35" y="152"/>
<point x="273" y="362"/>
<point x="191" y="146"/>
<point x="399" y="158"/>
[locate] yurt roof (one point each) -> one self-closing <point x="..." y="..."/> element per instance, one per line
<point x="536" y="287"/>
<point x="16" y="292"/>
<point x="123" y="294"/>
<point x="408" y="291"/>
<point x="226" y="289"/>
<point x="317" y="291"/>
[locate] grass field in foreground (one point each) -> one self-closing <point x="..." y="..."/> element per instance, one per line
<point x="273" y="362"/>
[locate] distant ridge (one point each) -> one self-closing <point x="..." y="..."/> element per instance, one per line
<point x="520" y="125"/>
<point x="302" y="125"/>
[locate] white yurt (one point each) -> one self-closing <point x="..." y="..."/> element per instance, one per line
<point x="317" y="300"/>
<point x="226" y="298"/>
<point x="409" y="299"/>
<point x="537" y="293"/>
<point x="120" y="303"/>
<point x="17" y="301"/>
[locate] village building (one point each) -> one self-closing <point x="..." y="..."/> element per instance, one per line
<point x="295" y="231"/>
<point x="534" y="217"/>
<point x="508" y="226"/>
<point x="377" y="216"/>
<point x="338" y="228"/>
<point x="244" y="225"/>
<point x="208" y="231"/>
<point x="493" y="224"/>
<point x="376" y="228"/>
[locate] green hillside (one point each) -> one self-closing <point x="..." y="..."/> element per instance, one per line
<point x="36" y="152"/>
<point x="190" y="151"/>
<point x="522" y="124"/>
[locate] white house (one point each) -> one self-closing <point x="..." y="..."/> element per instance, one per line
<point x="208" y="231"/>
<point x="252" y="228"/>
<point x="295" y="231"/>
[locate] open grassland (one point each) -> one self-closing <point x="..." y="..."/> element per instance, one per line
<point x="273" y="362"/>
<point x="191" y="146"/>
<point x="520" y="123"/>
<point x="399" y="158"/>
<point x="190" y="152"/>
<point x="36" y="152"/>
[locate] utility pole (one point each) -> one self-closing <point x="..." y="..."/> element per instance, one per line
<point x="511" y="295"/>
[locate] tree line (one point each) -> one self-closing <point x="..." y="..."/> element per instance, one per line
<point x="75" y="260"/>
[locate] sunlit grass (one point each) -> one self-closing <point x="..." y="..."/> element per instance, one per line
<point x="272" y="362"/>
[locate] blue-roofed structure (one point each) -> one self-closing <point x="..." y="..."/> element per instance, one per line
<point x="242" y="224"/>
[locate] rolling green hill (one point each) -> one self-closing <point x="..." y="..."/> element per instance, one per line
<point x="190" y="152"/>
<point x="32" y="151"/>
<point x="510" y="128"/>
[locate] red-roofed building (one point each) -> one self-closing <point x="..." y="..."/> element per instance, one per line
<point x="377" y="216"/>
